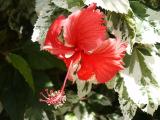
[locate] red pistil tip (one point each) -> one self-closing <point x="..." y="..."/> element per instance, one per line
<point x="56" y="98"/>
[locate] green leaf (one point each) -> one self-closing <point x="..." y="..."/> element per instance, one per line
<point x="99" y="99"/>
<point x="5" y="5"/>
<point x="118" y="6"/>
<point x="72" y="98"/>
<point x="1" y="107"/>
<point x="41" y="60"/>
<point x="3" y="34"/>
<point x="62" y="110"/>
<point x="142" y="78"/>
<point x="35" y="113"/>
<point x="22" y="66"/>
<point x="14" y="102"/>
<point x="15" y="93"/>
<point x="44" y="60"/>
<point x="139" y="9"/>
<point x="42" y="81"/>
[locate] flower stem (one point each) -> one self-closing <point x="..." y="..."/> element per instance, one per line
<point x="65" y="80"/>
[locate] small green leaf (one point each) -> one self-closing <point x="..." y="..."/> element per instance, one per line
<point x="22" y="66"/>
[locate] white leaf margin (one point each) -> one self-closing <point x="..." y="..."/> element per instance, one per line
<point x="43" y="22"/>
<point x="139" y="93"/>
<point x="148" y="33"/>
<point x="128" y="107"/>
<point x="40" y="4"/>
<point x="153" y="15"/>
<point x="118" y="6"/>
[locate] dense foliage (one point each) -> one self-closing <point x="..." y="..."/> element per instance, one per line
<point x="25" y="69"/>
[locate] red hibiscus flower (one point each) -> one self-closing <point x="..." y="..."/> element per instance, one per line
<point x="81" y="41"/>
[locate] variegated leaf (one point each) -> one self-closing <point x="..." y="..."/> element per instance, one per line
<point x="43" y="22"/>
<point x="70" y="116"/>
<point x="83" y="88"/>
<point x="142" y="80"/>
<point x="147" y="31"/>
<point x="122" y="26"/>
<point x="114" y="116"/>
<point x="40" y="4"/>
<point x="128" y="107"/>
<point x="153" y="15"/>
<point x="110" y="84"/>
<point x="118" y="6"/>
<point x="64" y="4"/>
<point x="82" y="113"/>
<point x="35" y="114"/>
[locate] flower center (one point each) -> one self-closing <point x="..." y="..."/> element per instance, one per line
<point x="56" y="98"/>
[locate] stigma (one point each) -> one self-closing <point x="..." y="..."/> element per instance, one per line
<point x="55" y="98"/>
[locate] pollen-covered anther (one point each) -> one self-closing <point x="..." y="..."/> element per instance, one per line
<point x="56" y="98"/>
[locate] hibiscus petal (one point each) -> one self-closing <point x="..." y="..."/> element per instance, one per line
<point x="104" y="62"/>
<point x="52" y="43"/>
<point x="85" y="29"/>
